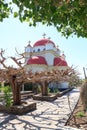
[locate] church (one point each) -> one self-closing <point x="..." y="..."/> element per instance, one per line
<point x="44" y="55"/>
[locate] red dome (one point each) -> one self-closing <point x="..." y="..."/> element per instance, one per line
<point x="59" y="62"/>
<point x="43" y="42"/>
<point x="37" y="60"/>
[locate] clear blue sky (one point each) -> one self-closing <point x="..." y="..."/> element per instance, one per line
<point x="13" y="34"/>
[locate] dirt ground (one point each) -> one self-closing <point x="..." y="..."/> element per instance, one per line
<point x="78" y="118"/>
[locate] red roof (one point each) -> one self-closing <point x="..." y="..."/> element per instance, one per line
<point x="43" y="42"/>
<point x="37" y="60"/>
<point x="60" y="62"/>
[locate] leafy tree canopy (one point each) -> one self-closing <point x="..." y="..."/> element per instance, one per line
<point x="68" y="16"/>
<point x="4" y="10"/>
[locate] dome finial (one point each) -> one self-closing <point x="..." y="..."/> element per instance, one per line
<point x="44" y="35"/>
<point x="63" y="55"/>
<point x="49" y="38"/>
<point x="29" y="43"/>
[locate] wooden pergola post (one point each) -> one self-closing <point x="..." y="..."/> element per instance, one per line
<point x="44" y="88"/>
<point x="16" y="90"/>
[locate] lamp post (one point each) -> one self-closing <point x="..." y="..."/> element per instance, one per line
<point x="84" y="72"/>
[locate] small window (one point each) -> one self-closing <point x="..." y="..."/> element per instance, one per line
<point x="44" y="49"/>
<point x="33" y="50"/>
<point x="38" y="49"/>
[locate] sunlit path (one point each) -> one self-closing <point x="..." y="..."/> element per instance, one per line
<point x="47" y="116"/>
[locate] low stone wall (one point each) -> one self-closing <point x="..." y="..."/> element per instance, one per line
<point x="19" y="109"/>
<point x="50" y="97"/>
<point x="59" y="94"/>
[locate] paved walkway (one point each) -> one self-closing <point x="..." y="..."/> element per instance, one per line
<point x="48" y="116"/>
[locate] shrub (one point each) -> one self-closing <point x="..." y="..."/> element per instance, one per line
<point x="7" y="95"/>
<point x="80" y="114"/>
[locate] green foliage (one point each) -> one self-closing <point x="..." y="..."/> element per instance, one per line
<point x="53" y="90"/>
<point x="56" y="90"/>
<point x="15" y="14"/>
<point x="7" y="95"/>
<point x="48" y="90"/>
<point x="4" y="10"/>
<point x="80" y="114"/>
<point x="68" y="16"/>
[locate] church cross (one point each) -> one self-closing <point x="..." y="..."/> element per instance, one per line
<point x="44" y="35"/>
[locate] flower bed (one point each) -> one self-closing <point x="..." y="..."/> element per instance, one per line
<point x="19" y="109"/>
<point x="50" y="96"/>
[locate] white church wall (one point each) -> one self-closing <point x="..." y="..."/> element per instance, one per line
<point x="35" y="68"/>
<point x="54" y="48"/>
<point x="27" y="54"/>
<point x="42" y="54"/>
<point x="28" y="49"/>
<point x="61" y="67"/>
<point x="49" y="58"/>
<point x="38" y="69"/>
<point x="49" y="46"/>
<point x="26" y="60"/>
<point x="58" y="52"/>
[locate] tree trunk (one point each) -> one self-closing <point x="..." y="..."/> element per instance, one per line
<point x="44" y="88"/>
<point x="16" y="95"/>
<point x="16" y="90"/>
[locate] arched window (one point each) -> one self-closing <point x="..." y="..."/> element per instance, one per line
<point x="44" y="49"/>
<point x="38" y="50"/>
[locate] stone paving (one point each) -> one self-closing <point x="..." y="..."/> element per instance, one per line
<point x="48" y="115"/>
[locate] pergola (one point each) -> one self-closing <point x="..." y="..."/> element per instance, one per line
<point x="18" y="76"/>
